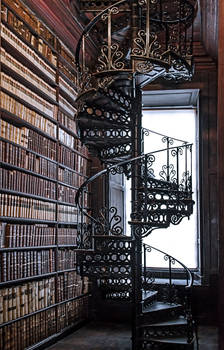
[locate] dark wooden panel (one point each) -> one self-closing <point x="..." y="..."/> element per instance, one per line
<point x="209" y="17"/>
<point x="221" y="170"/>
<point x="213" y="223"/>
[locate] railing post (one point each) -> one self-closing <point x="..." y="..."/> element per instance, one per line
<point x="170" y="278"/>
<point x="145" y="189"/>
<point x="177" y="155"/>
<point x="186" y="165"/>
<point x="83" y="54"/>
<point x="169" y="142"/>
<point x="190" y="148"/>
<point x="82" y="218"/>
<point x="107" y="202"/>
<point x="144" y="259"/>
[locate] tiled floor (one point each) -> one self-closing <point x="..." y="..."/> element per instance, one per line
<point x="106" y="336"/>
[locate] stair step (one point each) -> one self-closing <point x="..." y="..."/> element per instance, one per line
<point x="122" y="237"/>
<point x="149" y="295"/>
<point x="179" y="321"/>
<point x="171" y="340"/>
<point x="155" y="224"/>
<point x="175" y="281"/>
<point x="161" y="306"/>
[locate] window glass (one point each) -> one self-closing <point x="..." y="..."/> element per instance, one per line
<point x="180" y="241"/>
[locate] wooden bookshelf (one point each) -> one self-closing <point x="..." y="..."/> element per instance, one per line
<point x="42" y="165"/>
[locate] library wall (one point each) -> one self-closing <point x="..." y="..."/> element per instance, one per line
<point x="42" y="165"/>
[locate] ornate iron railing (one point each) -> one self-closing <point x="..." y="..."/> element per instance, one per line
<point x="171" y="291"/>
<point x="163" y="196"/>
<point x="146" y="37"/>
<point x="171" y="261"/>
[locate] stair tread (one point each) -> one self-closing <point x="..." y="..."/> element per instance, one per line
<point x="128" y="238"/>
<point x="159" y="306"/>
<point x="172" y="340"/>
<point x="170" y="322"/>
<point x="175" y="281"/>
<point x="148" y="294"/>
<point x="135" y="222"/>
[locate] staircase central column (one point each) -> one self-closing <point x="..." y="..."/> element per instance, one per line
<point x="137" y="250"/>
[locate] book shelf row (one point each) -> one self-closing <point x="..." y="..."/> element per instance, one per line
<point x="32" y="140"/>
<point x="26" y="74"/>
<point x="43" y="163"/>
<point x="17" y="156"/>
<point x="27" y="298"/>
<point x="27" y="35"/>
<point x="12" y="205"/>
<point x="68" y="80"/>
<point x="27" y="52"/>
<point x="22" y="207"/>
<point x="29" y="139"/>
<point x="17" y="265"/>
<point x="27" y="95"/>
<point x="18" y="301"/>
<point x="22" y="112"/>
<point x="35" y="328"/>
<point x="15" y="180"/>
<point x="21" y="235"/>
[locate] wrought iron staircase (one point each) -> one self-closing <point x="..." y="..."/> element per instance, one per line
<point x="161" y="311"/>
<point x="137" y="41"/>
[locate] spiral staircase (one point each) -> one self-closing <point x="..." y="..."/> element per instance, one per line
<point x="136" y="43"/>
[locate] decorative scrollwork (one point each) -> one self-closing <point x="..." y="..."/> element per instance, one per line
<point x="140" y="50"/>
<point x="108" y="224"/>
<point x="169" y="258"/>
<point x="116" y="151"/>
<point x="168" y="140"/>
<point x="84" y="236"/>
<point x="121" y="169"/>
<point x="177" y="218"/>
<point x="186" y="181"/>
<point x="112" y="11"/>
<point x="142" y="2"/>
<point x="115" y="61"/>
<point x="144" y="67"/>
<point x="167" y="172"/>
<point x="115" y="229"/>
<point x="116" y="56"/>
<point x="145" y="132"/>
<point x="105" y="82"/>
<point x="85" y="82"/>
<point x="150" y="159"/>
<point x="177" y="151"/>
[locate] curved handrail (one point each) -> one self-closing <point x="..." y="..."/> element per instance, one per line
<point x="190" y="278"/>
<point x="107" y="170"/>
<point x="92" y="23"/>
<point x="166" y="136"/>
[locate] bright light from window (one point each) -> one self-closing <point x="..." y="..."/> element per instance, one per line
<point x="179" y="241"/>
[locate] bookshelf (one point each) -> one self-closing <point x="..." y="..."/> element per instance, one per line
<point x="42" y="165"/>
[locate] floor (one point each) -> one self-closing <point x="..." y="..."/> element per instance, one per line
<point x="106" y="336"/>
